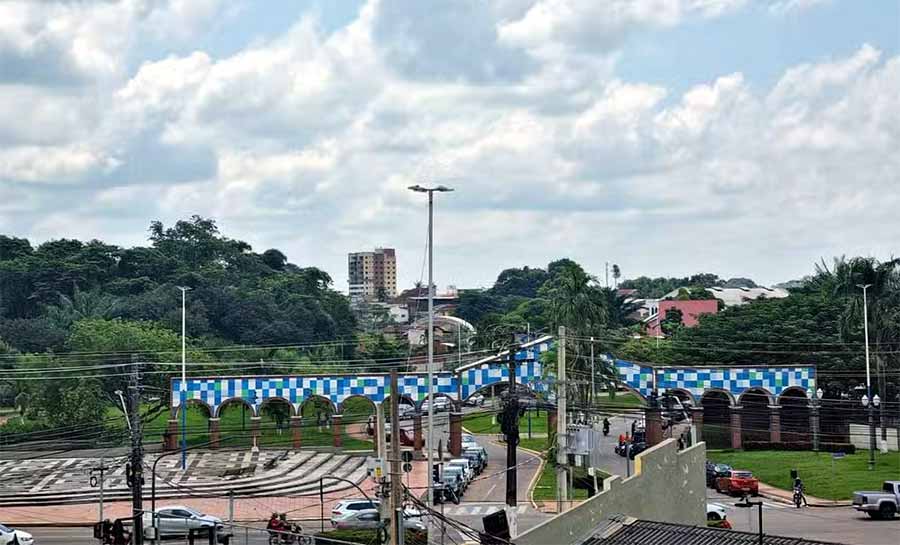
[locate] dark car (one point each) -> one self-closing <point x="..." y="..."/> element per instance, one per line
<point x="714" y="471"/>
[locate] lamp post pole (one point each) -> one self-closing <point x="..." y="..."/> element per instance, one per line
<point x="816" y="397"/>
<point x="868" y="396"/>
<point x="746" y="503"/>
<point x="430" y="390"/>
<point x="184" y="291"/>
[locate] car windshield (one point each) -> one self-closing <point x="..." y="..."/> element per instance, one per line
<point x="5" y="528"/>
<point x="723" y="467"/>
<point x="742" y="474"/>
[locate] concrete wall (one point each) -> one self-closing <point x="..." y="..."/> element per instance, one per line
<point x="667" y="486"/>
<point x="859" y="436"/>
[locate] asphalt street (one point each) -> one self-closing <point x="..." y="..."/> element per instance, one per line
<point x="835" y="524"/>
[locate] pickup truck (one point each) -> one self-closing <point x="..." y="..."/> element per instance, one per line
<point x="879" y="505"/>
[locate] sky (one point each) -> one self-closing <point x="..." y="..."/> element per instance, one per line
<point x="747" y="138"/>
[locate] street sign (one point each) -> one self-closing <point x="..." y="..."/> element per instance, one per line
<point x="406" y="456"/>
<point x="407" y="467"/>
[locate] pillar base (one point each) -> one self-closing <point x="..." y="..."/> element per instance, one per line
<point x="736" y="442"/>
<point x="297" y="432"/>
<point x="170" y="440"/>
<point x="775" y="423"/>
<point x="456" y="434"/>
<point x="214" y="435"/>
<point x="337" y="430"/>
<point x="254" y="430"/>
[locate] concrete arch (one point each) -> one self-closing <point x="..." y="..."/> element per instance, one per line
<point x="756" y="390"/>
<point x="453" y="402"/>
<point x="711" y="392"/>
<point x="342" y="404"/>
<point x="404" y="399"/>
<point x="191" y="401"/>
<point x="277" y="399"/>
<point x="234" y="401"/>
<point x="683" y="395"/>
<point x="488" y="387"/>
<point x="317" y="397"/>
<point x="791" y="392"/>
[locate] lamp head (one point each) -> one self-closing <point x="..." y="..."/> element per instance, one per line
<point x="819" y="393"/>
<point x="876" y="400"/>
<point x="417" y="188"/>
<point x="865" y="400"/>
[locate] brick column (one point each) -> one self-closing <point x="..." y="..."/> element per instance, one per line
<point x="697" y="419"/>
<point x="456" y="434"/>
<point x="551" y="421"/>
<point x="214" y="433"/>
<point x="736" y="427"/>
<point x="418" y="440"/>
<point x="171" y="439"/>
<point x="297" y="432"/>
<point x="654" y="426"/>
<point x="775" y="423"/>
<point x="337" y="430"/>
<point x="254" y="430"/>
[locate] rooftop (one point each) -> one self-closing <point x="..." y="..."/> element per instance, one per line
<point x="644" y="532"/>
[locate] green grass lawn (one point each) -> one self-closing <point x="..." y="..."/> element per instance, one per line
<point x="850" y="473"/>
<point x="538" y="444"/>
<point x="545" y="488"/>
<point x="483" y="423"/>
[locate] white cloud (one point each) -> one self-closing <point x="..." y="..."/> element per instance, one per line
<point x="308" y="140"/>
<point x="786" y="7"/>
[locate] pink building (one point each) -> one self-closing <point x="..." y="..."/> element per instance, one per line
<point x="690" y="313"/>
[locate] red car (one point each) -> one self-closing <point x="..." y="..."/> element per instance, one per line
<point x="738" y="482"/>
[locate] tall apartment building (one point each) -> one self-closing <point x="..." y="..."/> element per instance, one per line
<point x="372" y="272"/>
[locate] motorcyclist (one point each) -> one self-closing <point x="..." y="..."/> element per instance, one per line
<point x="275" y="528"/>
<point x="798" y="490"/>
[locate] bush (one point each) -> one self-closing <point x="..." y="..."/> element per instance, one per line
<point x="846" y="448"/>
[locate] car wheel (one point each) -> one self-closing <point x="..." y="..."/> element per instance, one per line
<point x="713" y="517"/>
<point x="887" y="511"/>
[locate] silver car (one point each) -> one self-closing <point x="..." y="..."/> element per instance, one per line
<point x="179" y="520"/>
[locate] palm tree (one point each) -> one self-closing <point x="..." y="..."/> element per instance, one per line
<point x="579" y="304"/>
<point x="82" y="305"/>
<point x="843" y="280"/>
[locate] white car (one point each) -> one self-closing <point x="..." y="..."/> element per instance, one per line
<point x="178" y="520"/>
<point x="8" y="536"/>
<point x="440" y="404"/>
<point x="362" y="513"/>
<point x="466" y="466"/>
<point x="715" y="511"/>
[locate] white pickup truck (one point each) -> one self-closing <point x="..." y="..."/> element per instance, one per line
<point x="879" y="505"/>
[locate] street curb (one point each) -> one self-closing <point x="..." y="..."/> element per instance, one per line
<point x="537" y="475"/>
<point x="785" y="501"/>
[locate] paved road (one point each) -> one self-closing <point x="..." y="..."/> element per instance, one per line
<point x="836" y="524"/>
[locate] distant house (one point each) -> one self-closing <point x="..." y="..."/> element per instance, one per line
<point x="691" y="311"/>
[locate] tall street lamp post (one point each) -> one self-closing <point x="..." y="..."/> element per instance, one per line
<point x="876" y="402"/>
<point x="431" y="191"/>
<point x="816" y="398"/>
<point x="868" y="396"/>
<point x="184" y="291"/>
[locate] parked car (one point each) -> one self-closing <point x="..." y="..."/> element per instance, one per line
<point x="453" y="479"/>
<point x="738" y="482"/>
<point x="714" y="471"/>
<point x="9" y="536"/>
<point x="475" y="457"/>
<point x="440" y="404"/>
<point x="476" y="400"/>
<point x="179" y="520"/>
<point x="361" y="513"/>
<point x="636" y="448"/>
<point x="467" y="467"/>
<point x="879" y="505"/>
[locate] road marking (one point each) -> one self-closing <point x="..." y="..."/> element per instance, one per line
<point x="491" y="490"/>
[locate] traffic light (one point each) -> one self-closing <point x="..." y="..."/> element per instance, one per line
<point x="129" y="479"/>
<point x="436" y="473"/>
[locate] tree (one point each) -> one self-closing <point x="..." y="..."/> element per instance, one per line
<point x="524" y="282"/>
<point x="274" y="259"/>
<point x="673" y="322"/>
<point x="617" y="273"/>
<point x="81" y="305"/>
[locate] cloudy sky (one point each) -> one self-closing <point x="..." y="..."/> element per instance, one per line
<point x="742" y="137"/>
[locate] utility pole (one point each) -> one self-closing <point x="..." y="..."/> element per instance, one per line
<point x="562" y="492"/>
<point x="396" y="474"/>
<point x="512" y="441"/>
<point x="137" y="454"/>
<point x="593" y="374"/>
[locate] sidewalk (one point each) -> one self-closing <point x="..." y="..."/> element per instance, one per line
<point x="787" y="496"/>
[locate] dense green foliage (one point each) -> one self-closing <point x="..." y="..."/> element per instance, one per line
<point x="93" y="306"/>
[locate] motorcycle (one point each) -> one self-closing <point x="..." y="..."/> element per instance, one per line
<point x="798" y="496"/>
<point x="292" y="533"/>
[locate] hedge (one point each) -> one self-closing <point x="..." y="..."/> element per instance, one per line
<point x="846" y="448"/>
